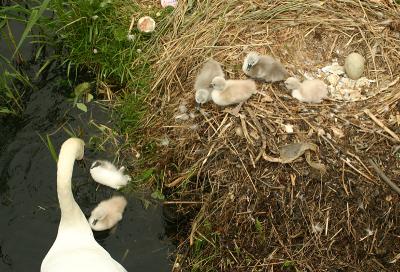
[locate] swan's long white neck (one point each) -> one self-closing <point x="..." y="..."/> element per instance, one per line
<point x="64" y="174"/>
<point x="71" y="214"/>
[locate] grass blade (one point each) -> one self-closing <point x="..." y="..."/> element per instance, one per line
<point x="35" y="15"/>
<point x="50" y="146"/>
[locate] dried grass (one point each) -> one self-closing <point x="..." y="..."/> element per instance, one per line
<point x="248" y="214"/>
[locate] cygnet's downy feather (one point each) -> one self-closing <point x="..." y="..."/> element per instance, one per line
<point x="264" y="68"/>
<point x="106" y="173"/>
<point x="108" y="213"/>
<point x="309" y="91"/>
<point x="229" y="92"/>
<point x="208" y="72"/>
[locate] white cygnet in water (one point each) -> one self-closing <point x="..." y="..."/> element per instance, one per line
<point x="108" y="213"/>
<point x="75" y="248"/>
<point x="209" y="70"/>
<point x="229" y="92"/>
<point x="310" y="91"/>
<point x="264" y="68"/>
<point x="106" y="173"/>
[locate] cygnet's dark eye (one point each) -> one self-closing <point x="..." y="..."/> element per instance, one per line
<point x="95" y="164"/>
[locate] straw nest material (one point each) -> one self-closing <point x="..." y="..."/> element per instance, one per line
<point x="328" y="210"/>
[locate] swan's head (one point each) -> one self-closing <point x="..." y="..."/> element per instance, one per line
<point x="218" y="83"/>
<point x="292" y="83"/>
<point x="201" y="97"/>
<point x="75" y="145"/>
<point x="251" y="59"/>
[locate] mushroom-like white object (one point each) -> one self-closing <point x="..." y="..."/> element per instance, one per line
<point x="146" y="24"/>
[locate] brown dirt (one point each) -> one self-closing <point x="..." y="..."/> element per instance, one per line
<point x="248" y="214"/>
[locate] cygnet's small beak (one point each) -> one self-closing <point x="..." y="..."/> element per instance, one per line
<point x="95" y="164"/>
<point x="249" y="67"/>
<point x="95" y="222"/>
<point x="198" y="105"/>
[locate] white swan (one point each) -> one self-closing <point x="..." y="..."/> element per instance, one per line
<point x="75" y="249"/>
<point x="106" y="173"/>
<point x="107" y="214"/>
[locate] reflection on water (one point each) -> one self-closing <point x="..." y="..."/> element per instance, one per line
<point x="29" y="212"/>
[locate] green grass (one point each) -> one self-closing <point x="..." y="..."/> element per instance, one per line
<point x="14" y="82"/>
<point x="95" y="34"/>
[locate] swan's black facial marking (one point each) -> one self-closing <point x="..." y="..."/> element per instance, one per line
<point x="95" y="222"/>
<point x="95" y="164"/>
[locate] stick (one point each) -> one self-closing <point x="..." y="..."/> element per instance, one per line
<point x="376" y="120"/>
<point x="383" y="176"/>
<point x="261" y="131"/>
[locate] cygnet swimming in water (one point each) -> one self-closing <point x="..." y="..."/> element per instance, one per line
<point x="108" y="213"/>
<point x="310" y="91"/>
<point x="107" y="174"/>
<point x="229" y="92"/>
<point x="209" y="70"/>
<point x="264" y="68"/>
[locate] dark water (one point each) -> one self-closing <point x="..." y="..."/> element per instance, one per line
<point x="29" y="211"/>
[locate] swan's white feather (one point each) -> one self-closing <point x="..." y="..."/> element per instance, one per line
<point x="74" y="249"/>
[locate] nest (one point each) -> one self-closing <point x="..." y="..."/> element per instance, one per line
<point x="250" y="213"/>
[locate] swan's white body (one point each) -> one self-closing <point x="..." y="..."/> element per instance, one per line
<point x="108" y="213"/>
<point x="75" y="249"/>
<point x="309" y="91"/>
<point x="264" y="68"/>
<point x="229" y="92"/>
<point x="208" y="72"/>
<point x="107" y="174"/>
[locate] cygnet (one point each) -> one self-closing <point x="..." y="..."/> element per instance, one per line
<point x="107" y="174"/>
<point x="209" y="70"/>
<point x="310" y="91"/>
<point x="229" y="92"/>
<point x="264" y="68"/>
<point x="108" y="213"/>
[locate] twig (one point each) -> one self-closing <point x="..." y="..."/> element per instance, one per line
<point x="383" y="176"/>
<point x="358" y="171"/>
<point x="376" y="120"/>
<point x="261" y="131"/>
<point x="182" y="202"/>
